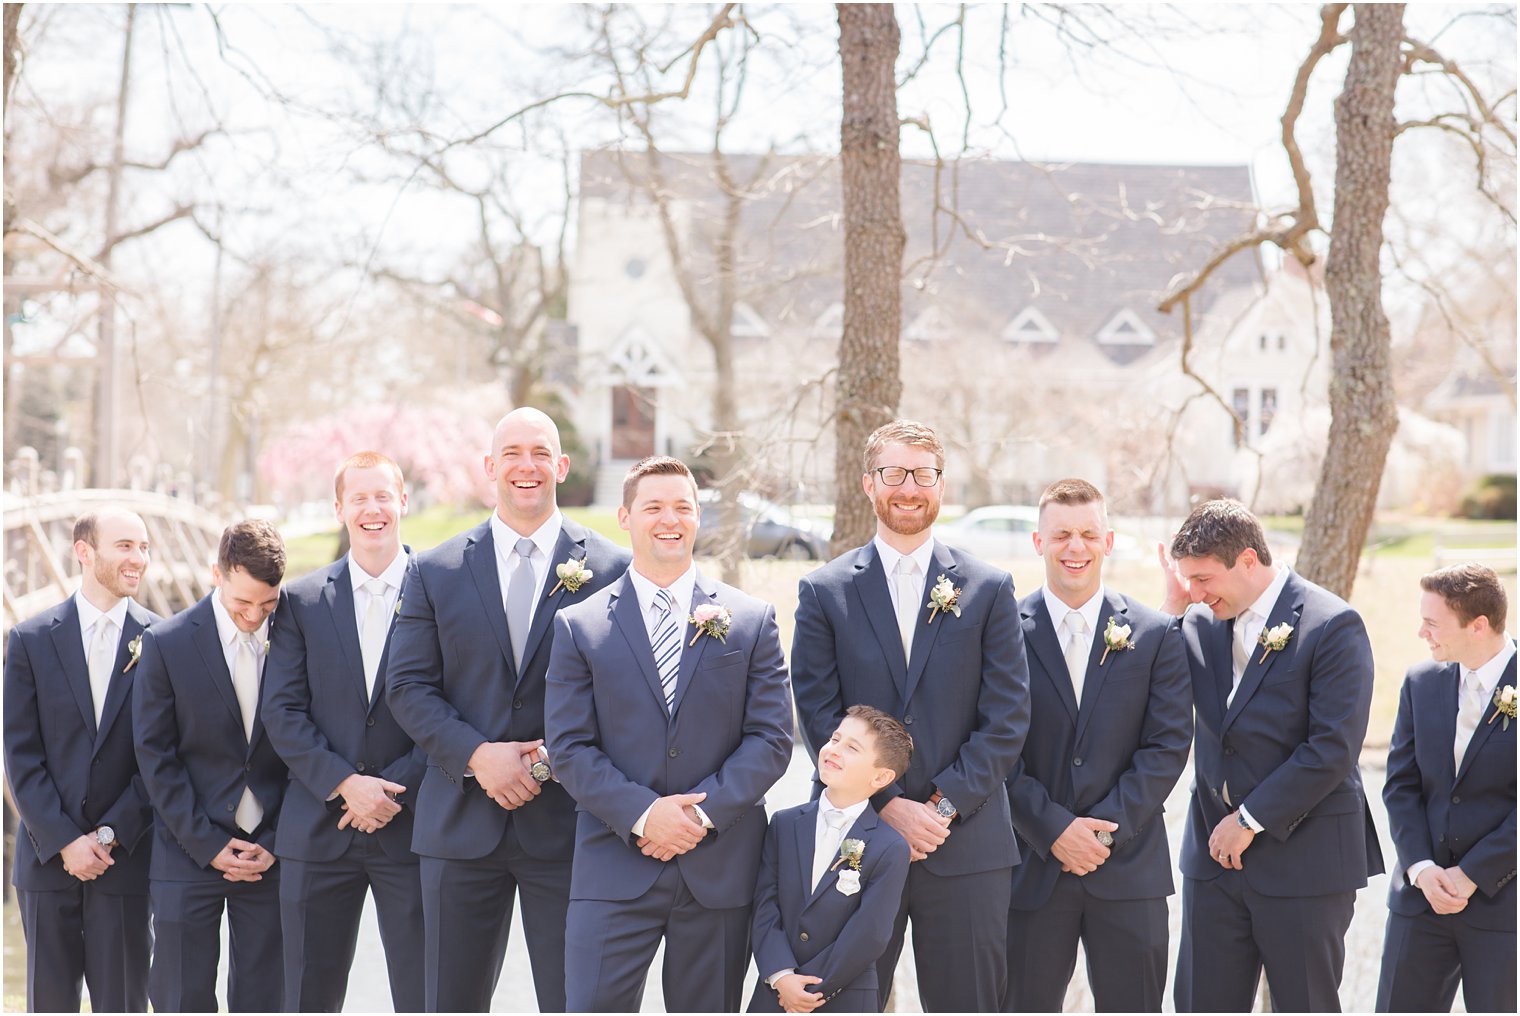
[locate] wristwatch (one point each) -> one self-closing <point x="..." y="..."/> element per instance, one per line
<point x="1240" y="817"/>
<point x="540" y="771"/>
<point x="1104" y="837"/>
<point x="942" y="805"/>
<point x="105" y="836"/>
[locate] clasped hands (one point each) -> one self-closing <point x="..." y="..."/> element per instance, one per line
<point x="1229" y="840"/>
<point x="919" y="823"/>
<point x="504" y="771"/>
<point x="672" y="827"/>
<point x="85" y="858"/>
<point x="1446" y="889"/>
<point x="242" y="861"/>
<point x="1078" y="849"/>
<point x="369" y="802"/>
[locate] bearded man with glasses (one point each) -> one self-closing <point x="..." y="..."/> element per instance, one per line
<point x="930" y="635"/>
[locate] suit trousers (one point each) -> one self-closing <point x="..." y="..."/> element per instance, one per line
<point x="960" y="936"/>
<point x="610" y="944"/>
<point x="1125" y="942"/>
<point x="1230" y="932"/>
<point x="1424" y="958"/>
<point x="467" y="918"/>
<point x="187" y="944"/>
<point x="81" y="933"/>
<point x="321" y="903"/>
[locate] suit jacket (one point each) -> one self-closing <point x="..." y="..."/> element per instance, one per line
<point x="1449" y="815"/>
<point x="67" y="775"/>
<point x="1287" y="746"/>
<point x="195" y="758"/>
<point x="453" y="684"/>
<point x="1116" y="757"/>
<point x="963" y="695"/>
<point x="617" y="749"/>
<point x="325" y="724"/>
<point x="819" y="931"/>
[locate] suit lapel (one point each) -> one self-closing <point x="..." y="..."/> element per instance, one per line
<point x="68" y="643"/>
<point x="704" y="591"/>
<point x="1215" y="637"/>
<point x="925" y="637"/>
<point x="1092" y="686"/>
<point x="805" y="834"/>
<point x="480" y="557"/>
<point x="121" y="680"/>
<point x="215" y="662"/>
<point x="1040" y="635"/>
<point x="1485" y="727"/>
<point x="871" y="587"/>
<point x="1440" y="703"/>
<point x="1289" y="605"/>
<point x="859" y="831"/>
<point x="570" y="545"/>
<point x="629" y="620"/>
<point x="338" y="595"/>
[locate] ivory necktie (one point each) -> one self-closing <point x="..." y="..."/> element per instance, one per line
<point x="1469" y="714"/>
<point x="1077" y="648"/>
<point x="666" y="643"/>
<point x="102" y="662"/>
<point x="372" y="637"/>
<point x="520" y="601"/>
<point x="245" y="683"/>
<point x="824" y="854"/>
<point x="908" y="589"/>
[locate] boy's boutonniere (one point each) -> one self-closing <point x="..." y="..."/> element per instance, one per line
<point x="135" y="648"/>
<point x="1275" y="640"/>
<point x="850" y="853"/>
<point x="943" y="597"/>
<point x="1504" y="703"/>
<point x="1115" y="638"/>
<point x="572" y="575"/>
<point x="712" y="620"/>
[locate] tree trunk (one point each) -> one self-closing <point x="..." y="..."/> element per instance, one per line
<point x="1363" y="414"/>
<point x="870" y="381"/>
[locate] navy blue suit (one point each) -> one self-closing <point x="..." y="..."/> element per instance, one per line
<point x="1286" y="748"/>
<point x="68" y="777"/>
<point x="618" y="750"/>
<point x="817" y="930"/>
<point x="963" y="695"/>
<point x="1452" y="816"/>
<point x="1116" y="756"/>
<point x="196" y="762"/>
<point x="327" y="727"/>
<point x="453" y="684"/>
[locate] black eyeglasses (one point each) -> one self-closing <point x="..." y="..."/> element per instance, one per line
<point x="895" y="476"/>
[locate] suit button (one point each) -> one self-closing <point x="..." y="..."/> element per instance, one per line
<point x="231" y="807"/>
<point x="369" y="721"/>
<point x="674" y="752"/>
<point x="95" y="762"/>
<point x="1076" y="761"/>
<point x="1441" y="838"/>
<point x="360" y="767"/>
<point x="803" y="936"/>
<point x="1456" y="798"/>
<point x="247" y="768"/>
<point x="908" y="720"/>
<point x="517" y="703"/>
<point x="1214" y="791"/>
<point x="1229" y="751"/>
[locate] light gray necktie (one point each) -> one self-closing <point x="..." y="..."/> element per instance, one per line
<point x="1469" y="714"/>
<point x="372" y="636"/>
<point x="824" y="854"/>
<point x="666" y="643"/>
<point x="245" y="683"/>
<point x="520" y="601"/>
<point x="908" y="589"/>
<point x="102" y="662"/>
<point x="1077" y="649"/>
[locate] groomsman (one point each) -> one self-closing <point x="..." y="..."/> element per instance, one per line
<point x="215" y="783"/>
<point x="1109" y="733"/>
<point x="1451" y="806"/>
<point x="1279" y="836"/>
<point x="931" y="636"/>
<point x="466" y="682"/>
<point x="80" y="863"/>
<point x="668" y="720"/>
<point x="346" y="824"/>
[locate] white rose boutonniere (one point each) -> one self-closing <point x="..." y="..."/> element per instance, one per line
<point x="1504" y="705"/>
<point x="850" y="853"/>
<point x="944" y="596"/>
<point x="572" y="575"/>
<point x="1116" y="638"/>
<point x="1275" y="640"/>
<point x="135" y="648"/>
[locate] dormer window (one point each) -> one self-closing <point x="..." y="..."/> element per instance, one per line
<point x="1029" y="325"/>
<point x="930" y="326"/>
<point x="830" y="324"/>
<point x="1126" y="329"/>
<point x="748" y="324"/>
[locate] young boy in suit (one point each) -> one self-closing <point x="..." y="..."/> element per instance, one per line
<point x="832" y="876"/>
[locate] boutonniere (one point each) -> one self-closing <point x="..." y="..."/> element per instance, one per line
<point x="135" y="648"/>
<point x="850" y="853"/>
<point x="398" y="606"/>
<point x="943" y="597"/>
<point x="1115" y="638"/>
<point x="1504" y="703"/>
<point x="266" y="647"/>
<point x="712" y="620"/>
<point x="1275" y="640"/>
<point x="572" y="575"/>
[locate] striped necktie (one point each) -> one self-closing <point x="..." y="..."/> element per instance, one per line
<point x="666" y="643"/>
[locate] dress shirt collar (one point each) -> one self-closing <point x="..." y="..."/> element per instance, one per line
<point x="923" y="557"/>
<point x="851" y="813"/>
<point x="1089" y="610"/>
<point x="544" y="537"/>
<point x="391" y="576"/>
<point x="1490" y="673"/>
<point x="1268" y="599"/>
<point x="227" y="631"/>
<point x="680" y="590"/>
<point x="89" y="614"/>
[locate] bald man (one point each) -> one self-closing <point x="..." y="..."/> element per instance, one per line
<point x="466" y="681"/>
<point x="81" y="856"/>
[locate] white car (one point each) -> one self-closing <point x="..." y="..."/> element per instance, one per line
<point x="1007" y="530"/>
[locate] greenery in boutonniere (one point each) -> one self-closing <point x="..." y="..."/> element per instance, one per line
<point x="572" y="575"/>
<point x="1504" y="704"/>
<point x="712" y="620"/>
<point x="1116" y="638"/>
<point x="135" y="648"/>
<point x="943" y="597"/>
<point x="1275" y="640"/>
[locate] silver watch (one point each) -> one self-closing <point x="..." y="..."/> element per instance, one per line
<point x="105" y="836"/>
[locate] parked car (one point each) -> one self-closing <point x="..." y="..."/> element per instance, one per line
<point x="773" y="530"/>
<point x="1007" y="530"/>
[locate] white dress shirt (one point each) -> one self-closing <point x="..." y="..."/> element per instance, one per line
<point x="1089" y="612"/>
<point x="923" y="557"/>
<point x="89" y="617"/>
<point x="544" y="538"/>
<point x="391" y="576"/>
<point x="227" y="633"/>
<point x="1254" y="618"/>
<point x="823" y="840"/>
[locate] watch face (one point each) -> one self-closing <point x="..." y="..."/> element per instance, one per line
<point x="945" y="808"/>
<point x="540" y="771"/>
<point x="105" y="836"/>
<point x="1104" y="837"/>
